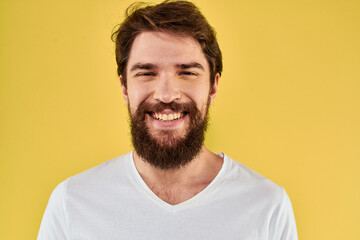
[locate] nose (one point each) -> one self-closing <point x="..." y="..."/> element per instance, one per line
<point x="166" y="90"/>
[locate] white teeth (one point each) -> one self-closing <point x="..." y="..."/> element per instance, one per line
<point x="166" y="117"/>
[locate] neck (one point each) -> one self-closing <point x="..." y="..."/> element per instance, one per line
<point x="203" y="168"/>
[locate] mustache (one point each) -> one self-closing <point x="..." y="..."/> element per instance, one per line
<point x="146" y="107"/>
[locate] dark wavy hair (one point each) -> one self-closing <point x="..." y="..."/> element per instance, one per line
<point x="176" y="17"/>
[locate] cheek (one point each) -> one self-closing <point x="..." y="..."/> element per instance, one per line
<point x="200" y="96"/>
<point x="136" y="95"/>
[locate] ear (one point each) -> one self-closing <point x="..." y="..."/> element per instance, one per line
<point x="214" y="88"/>
<point x="124" y="91"/>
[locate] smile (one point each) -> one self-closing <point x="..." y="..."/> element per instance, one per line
<point x="167" y="117"/>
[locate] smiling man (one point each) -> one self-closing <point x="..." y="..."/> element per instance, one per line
<point x="171" y="186"/>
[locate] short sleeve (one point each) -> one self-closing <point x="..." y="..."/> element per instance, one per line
<point x="53" y="225"/>
<point x="283" y="225"/>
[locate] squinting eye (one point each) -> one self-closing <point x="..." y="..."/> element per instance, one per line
<point x="188" y="73"/>
<point x="145" y="74"/>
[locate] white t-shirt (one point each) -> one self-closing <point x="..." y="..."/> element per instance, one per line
<point x="111" y="201"/>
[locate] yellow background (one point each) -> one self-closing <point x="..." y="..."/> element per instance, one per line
<point x="287" y="106"/>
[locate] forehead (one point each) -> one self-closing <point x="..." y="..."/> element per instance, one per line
<point x="165" y="49"/>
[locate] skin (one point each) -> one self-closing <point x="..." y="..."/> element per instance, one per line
<point x="163" y="67"/>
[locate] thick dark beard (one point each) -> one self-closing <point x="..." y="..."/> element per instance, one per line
<point x="167" y="150"/>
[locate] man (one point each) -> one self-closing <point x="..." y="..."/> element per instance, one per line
<point x="171" y="186"/>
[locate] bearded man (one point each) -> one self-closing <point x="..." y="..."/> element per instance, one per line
<point x="171" y="186"/>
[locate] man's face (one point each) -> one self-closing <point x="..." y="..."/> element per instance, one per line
<point x="168" y="93"/>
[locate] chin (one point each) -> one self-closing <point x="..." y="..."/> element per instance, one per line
<point x="167" y="138"/>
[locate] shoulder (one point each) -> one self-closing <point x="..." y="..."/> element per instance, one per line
<point x="75" y="193"/>
<point x="100" y="175"/>
<point x="251" y="184"/>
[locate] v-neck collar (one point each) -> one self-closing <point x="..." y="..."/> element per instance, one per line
<point x="186" y="203"/>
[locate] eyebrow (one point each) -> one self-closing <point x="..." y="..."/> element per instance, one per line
<point x="150" y="66"/>
<point x="190" y="65"/>
<point x="143" y="66"/>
